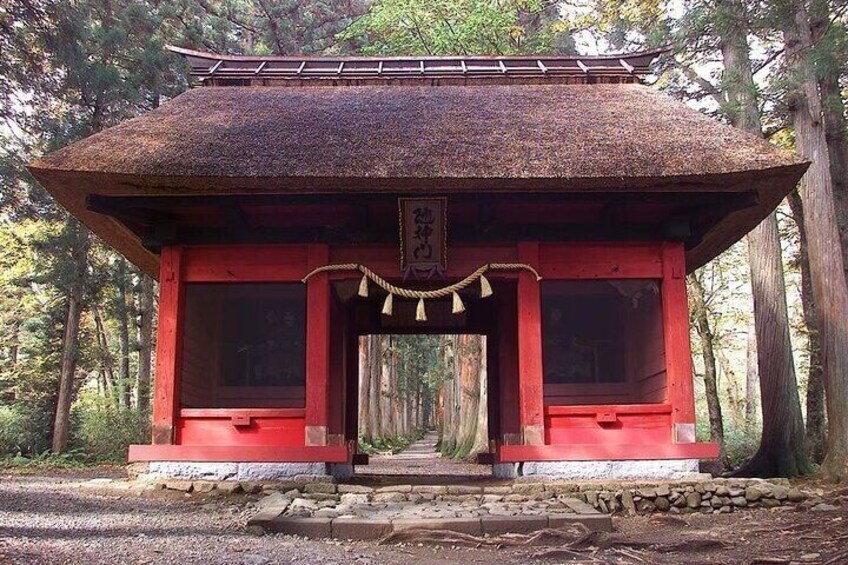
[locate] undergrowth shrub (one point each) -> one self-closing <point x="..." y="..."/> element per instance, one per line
<point x="22" y="431"/>
<point x="104" y="431"/>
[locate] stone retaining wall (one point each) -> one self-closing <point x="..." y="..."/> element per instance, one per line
<point x="710" y="496"/>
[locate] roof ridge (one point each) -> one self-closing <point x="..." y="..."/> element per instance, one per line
<point x="222" y="70"/>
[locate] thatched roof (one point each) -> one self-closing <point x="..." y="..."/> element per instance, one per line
<point x="560" y="138"/>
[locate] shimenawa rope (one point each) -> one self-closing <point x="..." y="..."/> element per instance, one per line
<point x="421" y="295"/>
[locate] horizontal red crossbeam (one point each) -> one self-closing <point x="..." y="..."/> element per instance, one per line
<point x="600" y="452"/>
<point x="241" y="454"/>
<point x="591" y="410"/>
<point x="249" y="412"/>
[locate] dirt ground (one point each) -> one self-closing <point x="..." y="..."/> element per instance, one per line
<point x="45" y="517"/>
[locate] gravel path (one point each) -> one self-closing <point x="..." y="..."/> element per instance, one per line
<point x="52" y="517"/>
<point x="421" y="459"/>
<point x="49" y="518"/>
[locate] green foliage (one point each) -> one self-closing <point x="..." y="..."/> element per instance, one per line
<point x="16" y="432"/>
<point x="463" y="27"/>
<point x="103" y="430"/>
<point x="740" y="443"/>
<point x="70" y="459"/>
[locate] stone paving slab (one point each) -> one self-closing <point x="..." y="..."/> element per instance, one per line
<point x="499" y="525"/>
<point x="306" y="527"/>
<point x="469" y="526"/>
<point x="357" y="528"/>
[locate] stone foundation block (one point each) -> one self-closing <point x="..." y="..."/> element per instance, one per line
<point x="470" y="526"/>
<point x="307" y="527"/>
<point x="278" y="471"/>
<point x="355" y="528"/>
<point x="591" y="470"/>
<point x="191" y="471"/>
<point x="594" y="522"/>
<point x="498" y="525"/>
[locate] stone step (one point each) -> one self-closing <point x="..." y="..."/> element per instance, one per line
<point x="579" y="506"/>
<point x="358" y="528"/>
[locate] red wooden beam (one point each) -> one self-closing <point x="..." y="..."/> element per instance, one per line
<point x="236" y="453"/>
<point x="590" y="409"/>
<point x="531" y="389"/>
<point x="600" y="260"/>
<point x="249" y="412"/>
<point x="244" y="263"/>
<point x="317" y="347"/>
<point x="607" y="452"/>
<point x="168" y="346"/>
<point x="678" y="355"/>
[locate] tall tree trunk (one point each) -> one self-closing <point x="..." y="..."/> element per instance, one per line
<point x="830" y="67"/>
<point x="469" y="371"/>
<point x="364" y="388"/>
<point x="449" y="397"/>
<point x="705" y="334"/>
<point x="70" y="345"/>
<point x="122" y="313"/>
<point x="386" y="409"/>
<point x="827" y="268"/>
<point x="145" y="344"/>
<point x="752" y="379"/>
<point x="109" y="384"/>
<point x="375" y="367"/>
<point x="481" y="439"/>
<point x="782" y="451"/>
<point x="815" y="426"/>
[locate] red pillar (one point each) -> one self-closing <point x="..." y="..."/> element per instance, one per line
<point x="168" y="346"/>
<point x="317" y="347"/>
<point x="678" y="354"/>
<point x="530" y="385"/>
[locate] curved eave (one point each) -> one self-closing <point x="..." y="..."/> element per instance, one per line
<point x="72" y="188"/>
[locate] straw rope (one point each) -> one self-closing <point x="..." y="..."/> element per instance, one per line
<point x="426" y="294"/>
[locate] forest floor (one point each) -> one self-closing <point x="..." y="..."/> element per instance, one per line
<point x="47" y="516"/>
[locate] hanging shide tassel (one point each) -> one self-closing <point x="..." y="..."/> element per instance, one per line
<point x="387" y="305"/>
<point x="363" y="287"/>
<point x="485" y="287"/>
<point x="458" y="306"/>
<point x="420" y="314"/>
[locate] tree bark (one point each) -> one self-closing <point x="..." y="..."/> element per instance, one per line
<point x="145" y="344"/>
<point x="449" y="398"/>
<point x="781" y="451"/>
<point x="109" y="385"/>
<point x="705" y="334"/>
<point x="386" y="411"/>
<point x="364" y="388"/>
<point x="827" y="268"/>
<point x="830" y="68"/>
<point x="752" y="379"/>
<point x="470" y="362"/>
<point x="481" y="439"/>
<point x="375" y="367"/>
<point x="815" y="427"/>
<point x="122" y="314"/>
<point x="70" y="346"/>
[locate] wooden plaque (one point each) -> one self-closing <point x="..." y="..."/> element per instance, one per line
<point x="423" y="234"/>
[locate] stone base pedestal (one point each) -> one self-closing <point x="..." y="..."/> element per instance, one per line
<point x="587" y="470"/>
<point x="505" y="470"/>
<point x="223" y="471"/>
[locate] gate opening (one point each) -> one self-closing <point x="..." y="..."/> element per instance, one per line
<point x="423" y="406"/>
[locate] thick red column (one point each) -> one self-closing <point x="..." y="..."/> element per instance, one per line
<point x="530" y="385"/>
<point x="678" y="354"/>
<point x="317" y="347"/>
<point x="168" y="346"/>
